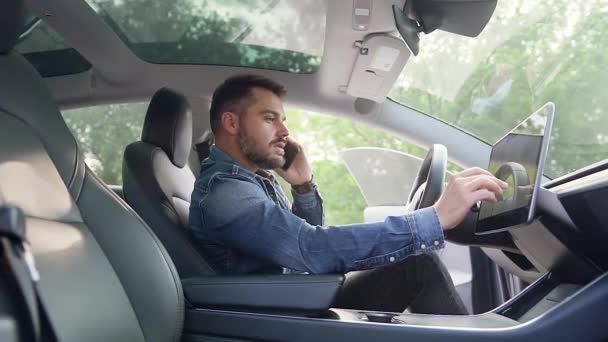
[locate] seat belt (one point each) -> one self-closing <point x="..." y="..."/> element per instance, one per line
<point x="203" y="149"/>
<point x="19" y="266"/>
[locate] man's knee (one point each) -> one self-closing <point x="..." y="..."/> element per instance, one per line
<point x="432" y="262"/>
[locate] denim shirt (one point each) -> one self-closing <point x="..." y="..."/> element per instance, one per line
<point x="244" y="224"/>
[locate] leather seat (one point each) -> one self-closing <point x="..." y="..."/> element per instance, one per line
<point x="158" y="183"/>
<point x="105" y="276"/>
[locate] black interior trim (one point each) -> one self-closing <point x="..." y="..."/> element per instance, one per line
<point x="586" y="171"/>
<point x="579" y="314"/>
<point x="297" y="292"/>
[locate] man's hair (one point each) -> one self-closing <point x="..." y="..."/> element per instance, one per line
<point x="235" y="95"/>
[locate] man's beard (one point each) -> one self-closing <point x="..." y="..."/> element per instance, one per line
<point x="262" y="160"/>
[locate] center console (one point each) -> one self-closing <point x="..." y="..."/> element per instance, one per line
<point x="547" y="309"/>
<point x="531" y="303"/>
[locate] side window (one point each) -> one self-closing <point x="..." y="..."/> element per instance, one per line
<point x="327" y="141"/>
<point x="364" y="175"/>
<point x="103" y="132"/>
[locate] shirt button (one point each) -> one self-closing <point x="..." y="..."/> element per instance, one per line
<point x="436" y="243"/>
<point x="391" y="259"/>
<point x="423" y="246"/>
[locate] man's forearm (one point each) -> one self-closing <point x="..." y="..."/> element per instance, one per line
<point x="264" y="231"/>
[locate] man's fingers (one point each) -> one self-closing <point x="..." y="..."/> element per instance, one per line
<point x="291" y="140"/>
<point x="473" y="171"/>
<point x="485" y="182"/>
<point x="483" y="195"/>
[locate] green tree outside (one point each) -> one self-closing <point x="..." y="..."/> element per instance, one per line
<point x="103" y="132"/>
<point x="546" y="60"/>
<point x="561" y="55"/>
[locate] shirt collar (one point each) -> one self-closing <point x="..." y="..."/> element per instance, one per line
<point x="265" y="174"/>
<point x="220" y="156"/>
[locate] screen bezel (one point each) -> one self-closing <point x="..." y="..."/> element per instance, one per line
<point x="540" y="164"/>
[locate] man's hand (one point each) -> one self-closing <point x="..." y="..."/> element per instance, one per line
<point x="463" y="191"/>
<point x="299" y="172"/>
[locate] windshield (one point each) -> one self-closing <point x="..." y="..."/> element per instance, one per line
<point x="530" y="52"/>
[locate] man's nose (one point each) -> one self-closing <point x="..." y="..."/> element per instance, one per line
<point x="283" y="131"/>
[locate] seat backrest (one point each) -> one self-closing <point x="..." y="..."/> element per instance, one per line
<point x="104" y="275"/>
<point x="158" y="183"/>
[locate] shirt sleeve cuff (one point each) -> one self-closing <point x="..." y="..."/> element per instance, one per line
<point x="428" y="231"/>
<point x="306" y="200"/>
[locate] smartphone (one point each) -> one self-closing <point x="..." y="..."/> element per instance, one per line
<point x="291" y="151"/>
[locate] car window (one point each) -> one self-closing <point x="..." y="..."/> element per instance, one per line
<point x="325" y="139"/>
<point x="103" y="132"/>
<point x="531" y="52"/>
<point x="384" y="176"/>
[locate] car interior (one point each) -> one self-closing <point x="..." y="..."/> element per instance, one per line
<point x="88" y="261"/>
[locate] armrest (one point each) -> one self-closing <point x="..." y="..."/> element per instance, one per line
<point x="282" y="291"/>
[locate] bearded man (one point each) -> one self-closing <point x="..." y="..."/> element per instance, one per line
<point x="245" y="224"/>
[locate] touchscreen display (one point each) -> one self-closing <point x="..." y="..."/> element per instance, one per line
<point x="518" y="159"/>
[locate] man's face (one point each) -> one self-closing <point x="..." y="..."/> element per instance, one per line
<point x="262" y="131"/>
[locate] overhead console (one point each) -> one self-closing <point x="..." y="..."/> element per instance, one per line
<point x="382" y="56"/>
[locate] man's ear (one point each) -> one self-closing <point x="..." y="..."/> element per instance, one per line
<point x="230" y="122"/>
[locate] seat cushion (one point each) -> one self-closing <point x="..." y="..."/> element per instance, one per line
<point x="160" y="192"/>
<point x="104" y="274"/>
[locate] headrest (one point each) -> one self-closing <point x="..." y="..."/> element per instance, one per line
<point x="168" y="125"/>
<point x="11" y="23"/>
<point x="25" y="96"/>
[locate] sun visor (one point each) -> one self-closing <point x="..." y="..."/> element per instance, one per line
<point x="379" y="62"/>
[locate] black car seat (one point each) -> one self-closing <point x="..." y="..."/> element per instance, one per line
<point x="158" y="183"/>
<point x="105" y="276"/>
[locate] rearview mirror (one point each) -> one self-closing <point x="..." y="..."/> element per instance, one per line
<point x="467" y="18"/>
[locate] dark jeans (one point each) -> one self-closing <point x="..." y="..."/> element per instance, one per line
<point x="420" y="282"/>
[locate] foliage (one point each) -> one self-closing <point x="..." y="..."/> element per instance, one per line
<point x="103" y="132"/>
<point x="323" y="138"/>
<point x="555" y="51"/>
<point x="559" y="54"/>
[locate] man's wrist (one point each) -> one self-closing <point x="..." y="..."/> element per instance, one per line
<point x="304" y="187"/>
<point x="429" y="230"/>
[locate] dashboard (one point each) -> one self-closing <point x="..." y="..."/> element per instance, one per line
<point x="567" y="235"/>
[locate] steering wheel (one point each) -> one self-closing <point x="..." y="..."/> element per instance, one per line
<point x="521" y="182"/>
<point x="429" y="183"/>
